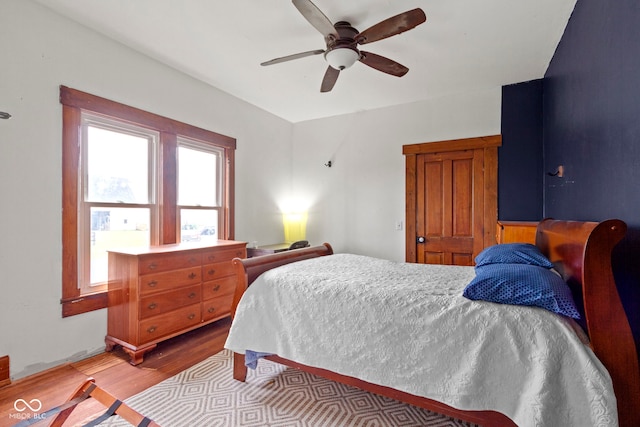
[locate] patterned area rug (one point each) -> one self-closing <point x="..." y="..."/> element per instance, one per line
<point x="206" y="395"/>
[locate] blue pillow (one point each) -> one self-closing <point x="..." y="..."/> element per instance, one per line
<point x="522" y="284"/>
<point x="513" y="253"/>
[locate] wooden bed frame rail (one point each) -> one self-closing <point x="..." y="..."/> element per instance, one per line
<point x="581" y="252"/>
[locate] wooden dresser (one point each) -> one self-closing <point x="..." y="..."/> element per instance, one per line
<point x="159" y="292"/>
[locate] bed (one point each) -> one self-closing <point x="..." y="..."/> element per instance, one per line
<point x="585" y="375"/>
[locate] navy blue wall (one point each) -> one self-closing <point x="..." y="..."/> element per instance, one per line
<point x="591" y="123"/>
<point x="520" y="177"/>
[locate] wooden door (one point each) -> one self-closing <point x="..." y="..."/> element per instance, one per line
<point x="451" y="199"/>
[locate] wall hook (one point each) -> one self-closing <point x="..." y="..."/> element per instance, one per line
<point x="328" y="164"/>
<point x="559" y="172"/>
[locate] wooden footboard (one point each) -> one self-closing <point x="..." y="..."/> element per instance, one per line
<point x="247" y="270"/>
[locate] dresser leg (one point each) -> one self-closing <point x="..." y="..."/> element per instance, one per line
<point x="109" y="344"/>
<point x="137" y="355"/>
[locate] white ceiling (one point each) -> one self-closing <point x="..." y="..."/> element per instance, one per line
<point x="465" y="45"/>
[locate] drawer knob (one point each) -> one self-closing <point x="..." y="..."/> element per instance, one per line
<point x="192" y="275"/>
<point x="153" y="266"/>
<point x="191" y="316"/>
<point x="152" y="306"/>
<point x="216" y="288"/>
<point x="212" y="257"/>
<point x="192" y="295"/>
<point x="151" y="329"/>
<point x="152" y="283"/>
<point x="193" y="260"/>
<point x="211" y="309"/>
<point x="211" y="272"/>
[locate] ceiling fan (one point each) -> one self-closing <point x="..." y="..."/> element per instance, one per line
<point x="342" y="42"/>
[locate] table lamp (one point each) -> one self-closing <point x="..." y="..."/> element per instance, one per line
<point x="295" y="226"/>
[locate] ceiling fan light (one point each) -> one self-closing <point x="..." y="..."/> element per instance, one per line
<point x="342" y="57"/>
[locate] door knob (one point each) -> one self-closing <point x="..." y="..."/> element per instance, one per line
<point x="421" y="239"/>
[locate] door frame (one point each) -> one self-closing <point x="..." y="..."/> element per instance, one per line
<point x="489" y="144"/>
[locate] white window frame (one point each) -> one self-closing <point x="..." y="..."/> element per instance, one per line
<point x="89" y="119"/>
<point x="221" y="173"/>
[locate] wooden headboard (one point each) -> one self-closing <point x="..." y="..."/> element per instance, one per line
<point x="582" y="253"/>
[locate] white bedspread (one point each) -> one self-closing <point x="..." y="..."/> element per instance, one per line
<point x="407" y="326"/>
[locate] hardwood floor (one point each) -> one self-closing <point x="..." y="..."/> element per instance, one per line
<point x="113" y="373"/>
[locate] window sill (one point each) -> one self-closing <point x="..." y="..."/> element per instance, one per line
<point x="83" y="304"/>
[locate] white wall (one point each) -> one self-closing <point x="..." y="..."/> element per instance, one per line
<point x="355" y="204"/>
<point x="40" y="51"/>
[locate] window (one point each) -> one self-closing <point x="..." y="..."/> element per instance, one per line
<point x="199" y="192"/>
<point x="132" y="178"/>
<point x="117" y="200"/>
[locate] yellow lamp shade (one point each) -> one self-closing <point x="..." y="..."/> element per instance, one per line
<point x="295" y="226"/>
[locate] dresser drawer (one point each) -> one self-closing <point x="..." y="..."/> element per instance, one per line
<point x="216" y="288"/>
<point x="211" y="256"/>
<point x="169" y="261"/>
<point x="164" y="324"/>
<point x="217" y="270"/>
<point x="170" y="280"/>
<point x="162" y="302"/>
<point x="217" y="307"/>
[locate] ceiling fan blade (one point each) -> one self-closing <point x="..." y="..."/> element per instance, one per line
<point x="383" y="64"/>
<point x="292" y="57"/>
<point x="329" y="80"/>
<point x="316" y="18"/>
<point x="392" y="26"/>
